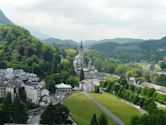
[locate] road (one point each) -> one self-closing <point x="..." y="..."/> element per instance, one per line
<point x="35" y="119"/>
<point x="105" y="110"/>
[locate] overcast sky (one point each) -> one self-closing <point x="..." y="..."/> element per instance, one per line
<point x="90" y="19"/>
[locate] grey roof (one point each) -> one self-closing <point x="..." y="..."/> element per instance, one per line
<point x="3" y="85"/>
<point x="15" y="83"/>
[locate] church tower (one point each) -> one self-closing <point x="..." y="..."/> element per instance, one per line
<point x="81" y="54"/>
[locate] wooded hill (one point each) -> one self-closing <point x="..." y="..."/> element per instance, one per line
<point x="149" y="50"/>
<point x="19" y="49"/>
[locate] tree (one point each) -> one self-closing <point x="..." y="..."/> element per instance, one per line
<point x="8" y="99"/>
<point x="162" y="65"/>
<point x="132" y="87"/>
<point x="4" y="117"/>
<point x="8" y="106"/>
<point x="136" y="99"/>
<point x="65" y="64"/>
<point x="81" y="75"/>
<point x="150" y="105"/>
<point x="141" y="102"/>
<point x="70" y="53"/>
<point x="151" y="92"/>
<point x="146" y="76"/>
<point x="64" y="76"/>
<point x="3" y="65"/>
<point x="122" y="69"/>
<point x="136" y="72"/>
<point x="103" y="119"/>
<point x="19" y="112"/>
<point x="94" y="120"/>
<point x="73" y="80"/>
<point x="135" y="120"/>
<point x="51" y="80"/>
<point x="157" y="118"/>
<point x="59" y="115"/>
<point x="123" y="82"/>
<point x="116" y="88"/>
<point x="22" y="94"/>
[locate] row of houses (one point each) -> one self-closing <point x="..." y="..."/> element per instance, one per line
<point x="11" y="80"/>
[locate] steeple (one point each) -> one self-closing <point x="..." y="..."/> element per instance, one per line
<point x="81" y="46"/>
<point x="81" y="54"/>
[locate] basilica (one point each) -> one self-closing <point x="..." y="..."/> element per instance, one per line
<point x="90" y="72"/>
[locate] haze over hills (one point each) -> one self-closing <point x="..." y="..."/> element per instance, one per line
<point x="121" y="40"/>
<point x="62" y="42"/>
<point x="4" y="19"/>
<point x="89" y="43"/>
<point x="37" y="33"/>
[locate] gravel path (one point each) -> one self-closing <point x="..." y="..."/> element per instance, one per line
<point x="105" y="110"/>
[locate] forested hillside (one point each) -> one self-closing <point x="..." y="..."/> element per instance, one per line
<point x="150" y="50"/>
<point x="18" y="49"/>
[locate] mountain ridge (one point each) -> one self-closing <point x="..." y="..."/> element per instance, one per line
<point x="4" y="19"/>
<point x="149" y="50"/>
<point x="57" y="41"/>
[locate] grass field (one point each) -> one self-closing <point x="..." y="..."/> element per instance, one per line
<point x="82" y="109"/>
<point x="123" y="110"/>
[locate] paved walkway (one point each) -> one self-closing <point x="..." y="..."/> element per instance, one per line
<point x="105" y="110"/>
<point x="36" y="119"/>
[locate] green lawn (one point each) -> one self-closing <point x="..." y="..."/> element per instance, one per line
<point x="82" y="109"/>
<point x="123" y="110"/>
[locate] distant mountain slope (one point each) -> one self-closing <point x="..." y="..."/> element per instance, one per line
<point x="89" y="43"/>
<point x="4" y="19"/>
<point x="121" y="40"/>
<point x="37" y="33"/>
<point x="61" y="42"/>
<point x="150" y="50"/>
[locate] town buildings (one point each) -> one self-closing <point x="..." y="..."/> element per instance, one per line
<point x="90" y="72"/>
<point x="11" y="80"/>
<point x="90" y="85"/>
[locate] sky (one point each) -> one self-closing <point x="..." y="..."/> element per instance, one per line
<point x="90" y="19"/>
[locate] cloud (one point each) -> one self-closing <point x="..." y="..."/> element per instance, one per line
<point x="90" y="19"/>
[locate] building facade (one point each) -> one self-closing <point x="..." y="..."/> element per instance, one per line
<point x="63" y="89"/>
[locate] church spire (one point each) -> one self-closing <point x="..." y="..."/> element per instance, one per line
<point x="81" y="46"/>
<point x="81" y="54"/>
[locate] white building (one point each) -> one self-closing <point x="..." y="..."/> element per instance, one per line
<point x="45" y="98"/>
<point x="63" y="88"/>
<point x="44" y="92"/>
<point x="132" y="80"/>
<point x="9" y="73"/>
<point x="11" y="80"/>
<point x="90" y="85"/>
<point x="32" y="93"/>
